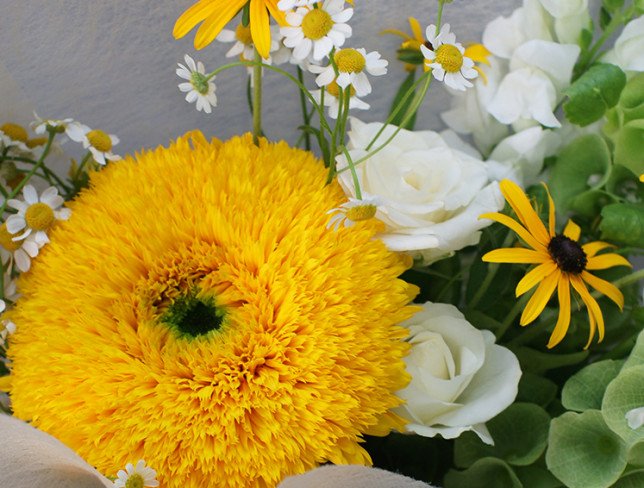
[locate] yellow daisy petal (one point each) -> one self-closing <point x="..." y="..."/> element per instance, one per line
<point x="195" y="14"/>
<point x="604" y="287"/>
<point x="521" y="206"/>
<point x="216" y="21"/>
<point x="540" y="298"/>
<point x="551" y="212"/>
<point x="260" y="27"/>
<point x="396" y="32"/>
<point x="533" y="277"/>
<point x="572" y="231"/>
<point x="604" y="261"/>
<point x="521" y="231"/>
<point x="276" y="13"/>
<point x="515" y="255"/>
<point x="477" y="53"/>
<point x="563" y="321"/>
<point x="593" y="248"/>
<point x="595" y="316"/>
<point x="416" y="30"/>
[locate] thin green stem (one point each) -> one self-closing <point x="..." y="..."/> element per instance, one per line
<point x="257" y="98"/>
<point x="354" y="175"/>
<point x="305" y="113"/>
<point x="81" y="166"/>
<point x="511" y="316"/>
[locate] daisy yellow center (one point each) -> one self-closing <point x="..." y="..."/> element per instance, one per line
<point x="135" y="481"/>
<point x="6" y="239"/>
<point x="334" y="89"/>
<point x="243" y="35"/>
<point x="36" y="141"/>
<point x="568" y="254"/>
<point x="449" y="57"/>
<point x="99" y="140"/>
<point x="15" y="132"/>
<point x="361" y="212"/>
<point x="316" y="24"/>
<point x="349" y="61"/>
<point x="199" y="82"/>
<point x="39" y="216"/>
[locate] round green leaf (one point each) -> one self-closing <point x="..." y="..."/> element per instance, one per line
<point x="536" y="389"/>
<point x="636" y="455"/>
<point x="537" y="477"/>
<point x="623" y="394"/>
<point x="585" y="390"/>
<point x="520" y="434"/>
<point x="629" y="146"/>
<point x="623" y="222"/>
<point x="634" y="479"/>
<point x="583" y="452"/>
<point x="636" y="357"/>
<point x="484" y="473"/>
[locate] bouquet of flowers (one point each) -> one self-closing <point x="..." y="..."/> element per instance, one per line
<point x="460" y="307"/>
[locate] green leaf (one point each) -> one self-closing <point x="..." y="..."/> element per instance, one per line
<point x="583" y="452"/>
<point x="623" y="394"/>
<point x="629" y="146"/>
<point x="520" y="433"/>
<point x="634" y="479"/>
<point x="594" y="92"/>
<point x="585" y="156"/>
<point x="636" y="455"/>
<point x="636" y="357"/>
<point x="536" y="389"/>
<point x="623" y="223"/>
<point x="604" y="18"/>
<point x="585" y="39"/>
<point x="613" y="5"/>
<point x="539" y="362"/>
<point x="484" y="473"/>
<point x="412" y="56"/>
<point x="585" y="390"/>
<point x="404" y="87"/>
<point x="536" y="477"/>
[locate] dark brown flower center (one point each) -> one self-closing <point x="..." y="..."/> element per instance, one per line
<point x="568" y="254"/>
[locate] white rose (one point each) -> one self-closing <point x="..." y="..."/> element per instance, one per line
<point x="432" y="194"/>
<point x="628" y="52"/>
<point x="570" y="18"/>
<point x="460" y="378"/>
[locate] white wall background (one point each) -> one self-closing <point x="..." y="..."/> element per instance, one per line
<point x="110" y="64"/>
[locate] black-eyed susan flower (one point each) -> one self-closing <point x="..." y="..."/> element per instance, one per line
<point x="197" y="313"/>
<point x="215" y="14"/>
<point x="561" y="262"/>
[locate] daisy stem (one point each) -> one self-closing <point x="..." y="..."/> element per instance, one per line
<point x="439" y="15"/>
<point x="257" y="98"/>
<point x="354" y="175"/>
<point x="511" y="316"/>
<point x="83" y="163"/>
<point x="47" y="173"/>
<point x="305" y="112"/>
<point x="33" y="170"/>
<point x="627" y="280"/>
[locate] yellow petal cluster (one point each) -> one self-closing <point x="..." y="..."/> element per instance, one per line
<point x="307" y="358"/>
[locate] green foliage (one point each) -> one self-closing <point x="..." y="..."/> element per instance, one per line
<point x="624" y="223"/>
<point x="583" y="452"/>
<point x="623" y="394"/>
<point x="484" y="473"/>
<point x="539" y="362"/>
<point x="634" y="479"/>
<point x="405" y="86"/>
<point x="519" y="432"/>
<point x="594" y="92"/>
<point x="536" y="389"/>
<point x="585" y="390"/>
<point x="612" y="5"/>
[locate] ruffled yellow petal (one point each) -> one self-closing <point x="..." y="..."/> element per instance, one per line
<point x="5" y="383"/>
<point x="416" y="30"/>
<point x="540" y="298"/>
<point x="593" y="248"/>
<point x="216" y="21"/>
<point x="521" y="205"/>
<point x="604" y="287"/>
<point x="260" y="27"/>
<point x="534" y="276"/>
<point x="595" y="316"/>
<point x="572" y="231"/>
<point x="605" y="261"/>
<point x="515" y="255"/>
<point x="563" y="321"/>
<point x="521" y="231"/>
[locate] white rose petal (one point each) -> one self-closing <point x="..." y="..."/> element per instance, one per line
<point x="628" y="52"/>
<point x="460" y="378"/>
<point x="635" y="418"/>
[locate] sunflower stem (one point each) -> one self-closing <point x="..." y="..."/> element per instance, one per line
<point x="257" y="98"/>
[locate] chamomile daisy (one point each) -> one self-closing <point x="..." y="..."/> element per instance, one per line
<point x="14" y="137"/>
<point x="316" y="30"/>
<point x="137" y="476"/>
<point x="351" y="64"/>
<point x="198" y="88"/>
<point x="19" y="253"/>
<point x="332" y="99"/>
<point x="36" y="214"/>
<point x="40" y="125"/>
<point x="285" y="5"/>
<point x="445" y="57"/>
<point x="355" y="210"/>
<point x="99" y="143"/>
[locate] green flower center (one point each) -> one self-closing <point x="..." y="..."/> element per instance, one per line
<point x="450" y="58"/>
<point x="316" y="24"/>
<point x="135" y="481"/>
<point x="99" y="140"/>
<point x="194" y="316"/>
<point x="199" y="82"/>
<point x="349" y="61"/>
<point x="362" y="212"/>
<point x="568" y="254"/>
<point x="15" y="132"/>
<point x="5" y="239"/>
<point x="39" y="216"/>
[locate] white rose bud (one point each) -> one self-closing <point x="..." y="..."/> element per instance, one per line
<point x="432" y="195"/>
<point x="460" y="378"/>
